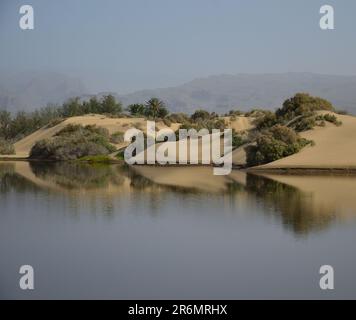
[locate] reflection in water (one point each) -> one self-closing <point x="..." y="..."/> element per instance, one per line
<point x="11" y="181"/>
<point x="302" y="211"/>
<point x="294" y="206"/>
<point x="74" y="175"/>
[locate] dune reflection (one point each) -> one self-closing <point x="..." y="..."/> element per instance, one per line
<point x="307" y="202"/>
<point x="302" y="204"/>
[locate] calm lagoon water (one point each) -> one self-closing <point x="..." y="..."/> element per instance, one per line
<point x="181" y="233"/>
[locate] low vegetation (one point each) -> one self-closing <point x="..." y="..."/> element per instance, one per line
<point x="273" y="144"/>
<point x="238" y="139"/>
<point x="276" y="134"/>
<point x="6" y="147"/>
<point x="74" y="142"/>
<point x="154" y="108"/>
<point x="117" y="137"/>
<point x="16" y="127"/>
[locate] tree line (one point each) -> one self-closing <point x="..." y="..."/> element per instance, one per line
<point x="15" y="127"/>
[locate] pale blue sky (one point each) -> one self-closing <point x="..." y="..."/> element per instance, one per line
<point x="125" y="45"/>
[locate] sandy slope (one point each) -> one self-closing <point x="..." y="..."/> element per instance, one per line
<point x="239" y="156"/>
<point x="335" y="147"/>
<point x="24" y="146"/>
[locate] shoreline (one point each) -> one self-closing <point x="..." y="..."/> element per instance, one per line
<point x="252" y="170"/>
<point x="304" y="171"/>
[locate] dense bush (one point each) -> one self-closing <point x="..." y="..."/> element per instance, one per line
<point x="136" y="109"/>
<point x="267" y="120"/>
<point x="237" y="139"/>
<point x="107" y="105"/>
<point x="154" y="108"/>
<point x="74" y="142"/>
<point x="200" y="115"/>
<point x="6" y="148"/>
<point x="273" y="144"/>
<point x="117" y="137"/>
<point x="298" y="113"/>
<point x="302" y="104"/>
<point x="305" y="123"/>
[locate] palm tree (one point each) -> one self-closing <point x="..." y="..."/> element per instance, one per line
<point x="155" y="108"/>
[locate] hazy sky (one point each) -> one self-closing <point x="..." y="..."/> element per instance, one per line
<point x="125" y="45"/>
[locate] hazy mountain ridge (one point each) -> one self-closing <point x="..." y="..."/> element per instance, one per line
<point x="245" y="91"/>
<point x="218" y="93"/>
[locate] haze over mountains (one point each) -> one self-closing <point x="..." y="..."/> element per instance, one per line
<point x="218" y="93"/>
<point x="245" y="91"/>
<point x="31" y="90"/>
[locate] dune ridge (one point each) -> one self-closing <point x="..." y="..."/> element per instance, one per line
<point x="23" y="147"/>
<point x="335" y="148"/>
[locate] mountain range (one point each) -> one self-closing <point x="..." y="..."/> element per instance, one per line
<point x="218" y="93"/>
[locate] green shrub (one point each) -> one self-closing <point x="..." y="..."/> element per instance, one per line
<point x="136" y="109"/>
<point x="237" y="139"/>
<point x="6" y="147"/>
<point x="301" y="104"/>
<point x="305" y="123"/>
<point x="117" y="137"/>
<point x="267" y="120"/>
<point x="74" y="142"/>
<point x="273" y="144"/>
<point x="200" y="115"/>
<point x="332" y="118"/>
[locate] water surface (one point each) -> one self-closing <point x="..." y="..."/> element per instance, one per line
<point x="173" y="233"/>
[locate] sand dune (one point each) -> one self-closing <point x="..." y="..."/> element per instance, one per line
<point x="335" y="147"/>
<point x="23" y="147"/>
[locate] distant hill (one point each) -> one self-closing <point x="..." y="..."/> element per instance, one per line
<point x="29" y="91"/>
<point x="245" y="91"/>
<point x="218" y="93"/>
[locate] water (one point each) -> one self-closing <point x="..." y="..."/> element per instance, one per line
<point x="173" y="233"/>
